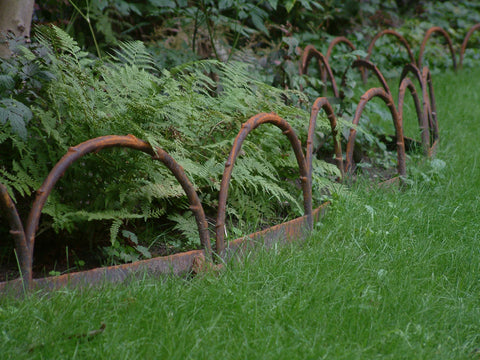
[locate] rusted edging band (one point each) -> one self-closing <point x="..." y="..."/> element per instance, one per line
<point x="174" y="265"/>
<point x="293" y="230"/>
<point x="177" y="264"/>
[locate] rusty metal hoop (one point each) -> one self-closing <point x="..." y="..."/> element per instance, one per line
<point x="381" y="34"/>
<point x="335" y="42"/>
<point x="405" y="84"/>
<point x="322" y="103"/>
<point x="368" y="65"/>
<point x="247" y="127"/>
<point x="96" y="144"/>
<point x="308" y="53"/>
<point x="465" y="42"/>
<point x="412" y="68"/>
<point x="16" y="227"/>
<point x="433" y="121"/>
<point x="397" y="122"/>
<point x="428" y="34"/>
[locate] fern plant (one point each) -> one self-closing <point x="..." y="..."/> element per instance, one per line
<point x="193" y="111"/>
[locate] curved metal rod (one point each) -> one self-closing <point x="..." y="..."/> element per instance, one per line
<point x="434" y="131"/>
<point x="397" y="122"/>
<point x="325" y="69"/>
<point x="465" y="42"/>
<point x="381" y="34"/>
<point x="336" y="41"/>
<point x="405" y="84"/>
<point x="16" y="229"/>
<point x="93" y="145"/>
<point x="366" y="64"/>
<point x="436" y="29"/>
<point x="247" y="127"/>
<point x="411" y="68"/>
<point x="322" y="103"/>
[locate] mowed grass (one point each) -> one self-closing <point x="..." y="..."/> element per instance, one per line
<point x="387" y="274"/>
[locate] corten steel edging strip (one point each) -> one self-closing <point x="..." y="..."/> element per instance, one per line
<point x="378" y="36"/>
<point x="405" y="84"/>
<point x="247" y="127"/>
<point x="322" y="103"/>
<point x="177" y="264"/>
<point x="16" y="228"/>
<point x="75" y="153"/>
<point x="412" y="68"/>
<point x="465" y="42"/>
<point x="434" y="133"/>
<point x="368" y="65"/>
<point x="325" y="68"/>
<point x="432" y="30"/>
<point x="397" y="123"/>
<point x="296" y="229"/>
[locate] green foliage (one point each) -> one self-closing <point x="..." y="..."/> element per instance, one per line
<point x="192" y="111"/>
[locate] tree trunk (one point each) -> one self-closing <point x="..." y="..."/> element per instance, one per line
<point x="15" y="18"/>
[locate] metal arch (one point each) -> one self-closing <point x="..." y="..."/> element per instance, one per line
<point x="436" y="29"/>
<point x="366" y="64"/>
<point x="432" y="113"/>
<point x="322" y="103"/>
<point x="405" y="84"/>
<point x="16" y="228"/>
<point x="427" y="112"/>
<point x="325" y="69"/>
<point x="247" y="127"/>
<point x="75" y="153"/>
<point x="465" y="42"/>
<point x="397" y="122"/>
<point x="381" y="34"/>
<point x="336" y="41"/>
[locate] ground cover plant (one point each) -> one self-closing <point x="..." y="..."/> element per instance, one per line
<point x="387" y="273"/>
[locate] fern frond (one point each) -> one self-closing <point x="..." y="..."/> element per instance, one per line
<point x="134" y="53"/>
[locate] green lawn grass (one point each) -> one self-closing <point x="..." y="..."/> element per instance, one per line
<point x="387" y="274"/>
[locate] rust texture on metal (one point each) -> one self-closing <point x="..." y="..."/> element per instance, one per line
<point x="427" y="95"/>
<point x="177" y="264"/>
<point x="465" y="42"/>
<point x="75" y="153"/>
<point x="432" y="113"/>
<point x="247" y="127"/>
<point x="397" y="123"/>
<point x="335" y="42"/>
<point x="295" y="229"/>
<point x="16" y="228"/>
<point x="405" y="84"/>
<point x="384" y="33"/>
<point x="368" y="65"/>
<point x="428" y="34"/>
<point x="341" y="40"/>
<point x="319" y="104"/>
<point x="325" y="70"/>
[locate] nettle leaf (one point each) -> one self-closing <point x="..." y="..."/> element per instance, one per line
<point x="17" y="114"/>
<point x="6" y="82"/>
